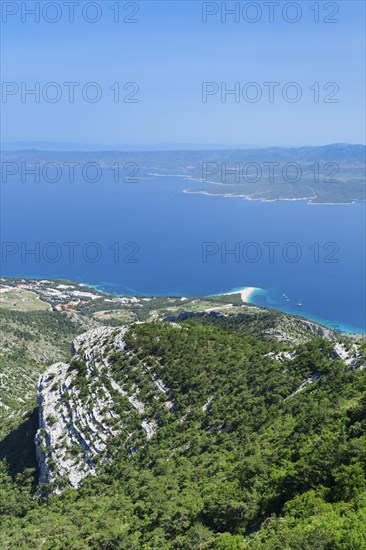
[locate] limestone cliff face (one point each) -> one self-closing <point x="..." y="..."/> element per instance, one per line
<point x="107" y="401"/>
<point x="86" y="410"/>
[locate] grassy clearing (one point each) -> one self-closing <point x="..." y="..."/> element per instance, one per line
<point x="22" y="300"/>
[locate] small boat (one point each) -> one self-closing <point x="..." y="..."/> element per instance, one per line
<point x="299" y="304"/>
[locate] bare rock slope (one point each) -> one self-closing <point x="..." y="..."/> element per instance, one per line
<point x="88" y="407"/>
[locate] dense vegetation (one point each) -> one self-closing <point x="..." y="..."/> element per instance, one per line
<point x="244" y="461"/>
<point x="30" y="340"/>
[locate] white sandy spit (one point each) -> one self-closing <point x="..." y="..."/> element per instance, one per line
<point x="246" y="293"/>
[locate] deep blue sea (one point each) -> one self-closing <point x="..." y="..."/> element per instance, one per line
<point x="150" y="238"/>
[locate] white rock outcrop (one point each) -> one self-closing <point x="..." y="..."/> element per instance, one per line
<point x="83" y="407"/>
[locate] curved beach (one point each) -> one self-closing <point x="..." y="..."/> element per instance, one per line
<point x="246" y="293"/>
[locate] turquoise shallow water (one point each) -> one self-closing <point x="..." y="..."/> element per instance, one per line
<point x="264" y="298"/>
<point x="190" y="244"/>
<point x="294" y="310"/>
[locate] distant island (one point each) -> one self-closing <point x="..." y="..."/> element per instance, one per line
<point x="329" y="174"/>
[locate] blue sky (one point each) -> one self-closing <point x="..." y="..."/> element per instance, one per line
<point x="169" y="53"/>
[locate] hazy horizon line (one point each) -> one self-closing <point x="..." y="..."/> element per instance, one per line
<point x="168" y="146"/>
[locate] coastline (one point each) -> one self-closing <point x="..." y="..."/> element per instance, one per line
<point x="306" y="200"/>
<point x="247" y="295"/>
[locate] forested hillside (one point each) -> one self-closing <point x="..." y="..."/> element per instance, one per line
<point x="257" y="444"/>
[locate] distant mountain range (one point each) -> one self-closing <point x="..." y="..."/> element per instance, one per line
<point x="244" y="153"/>
<point x="169" y="146"/>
